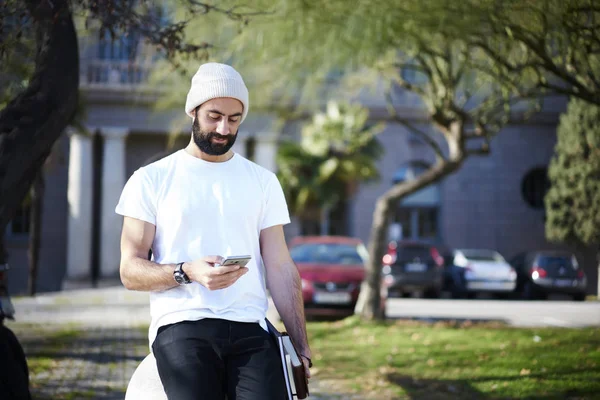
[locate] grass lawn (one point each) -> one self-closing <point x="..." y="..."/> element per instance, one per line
<point x="405" y="359"/>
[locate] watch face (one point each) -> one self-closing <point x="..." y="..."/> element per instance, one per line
<point x="179" y="278"/>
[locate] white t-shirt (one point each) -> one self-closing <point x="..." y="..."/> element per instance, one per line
<point x="203" y="208"/>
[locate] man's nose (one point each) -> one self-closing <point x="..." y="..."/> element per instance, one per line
<point x="223" y="127"/>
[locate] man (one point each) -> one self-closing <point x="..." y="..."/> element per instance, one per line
<point x="192" y="209"/>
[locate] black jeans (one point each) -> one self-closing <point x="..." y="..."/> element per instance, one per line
<point x="214" y="359"/>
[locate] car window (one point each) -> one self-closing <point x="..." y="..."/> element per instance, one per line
<point x="482" y="255"/>
<point x="329" y="253"/>
<point x="411" y="251"/>
<point x="555" y="261"/>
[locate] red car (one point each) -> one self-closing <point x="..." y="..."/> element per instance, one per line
<point x="332" y="269"/>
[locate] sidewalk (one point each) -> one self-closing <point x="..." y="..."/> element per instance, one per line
<point x="86" y="343"/>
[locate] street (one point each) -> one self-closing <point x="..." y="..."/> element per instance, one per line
<point x="556" y="313"/>
<point x="83" y="306"/>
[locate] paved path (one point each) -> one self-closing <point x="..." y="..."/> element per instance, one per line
<point x="86" y="343"/>
<point x="516" y="313"/>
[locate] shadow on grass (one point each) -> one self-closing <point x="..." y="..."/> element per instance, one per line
<point x="432" y="389"/>
<point x="98" y="346"/>
<point x="73" y="363"/>
<point x="431" y="319"/>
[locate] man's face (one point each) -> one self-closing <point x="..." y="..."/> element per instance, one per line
<point x="216" y="124"/>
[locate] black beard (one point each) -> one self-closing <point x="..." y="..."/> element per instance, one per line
<point x="204" y="140"/>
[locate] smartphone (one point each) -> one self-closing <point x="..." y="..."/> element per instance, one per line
<point x="236" y="260"/>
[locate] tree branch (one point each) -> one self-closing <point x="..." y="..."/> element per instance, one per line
<point x="422" y="134"/>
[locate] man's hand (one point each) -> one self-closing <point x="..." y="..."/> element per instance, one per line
<point x="305" y="362"/>
<point x="210" y="276"/>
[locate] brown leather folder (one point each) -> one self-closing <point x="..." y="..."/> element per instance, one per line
<point x="293" y="369"/>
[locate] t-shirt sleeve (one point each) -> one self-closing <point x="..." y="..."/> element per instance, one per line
<point x="276" y="209"/>
<point x="138" y="198"/>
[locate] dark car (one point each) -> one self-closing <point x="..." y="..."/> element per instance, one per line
<point x="540" y="273"/>
<point x="410" y="267"/>
<point x="332" y="269"/>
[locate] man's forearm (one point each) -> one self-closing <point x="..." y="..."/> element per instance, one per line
<point x="144" y="275"/>
<point x="286" y="290"/>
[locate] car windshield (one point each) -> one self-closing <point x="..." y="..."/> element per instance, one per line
<point x="329" y="253"/>
<point x="482" y="255"/>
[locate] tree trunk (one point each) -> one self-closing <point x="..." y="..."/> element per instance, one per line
<point x="369" y="302"/>
<point x="35" y="119"/>
<point x="35" y="227"/>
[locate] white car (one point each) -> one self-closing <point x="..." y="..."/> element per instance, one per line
<point x="478" y="270"/>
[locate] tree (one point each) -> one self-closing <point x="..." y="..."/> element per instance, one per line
<point x="573" y="200"/>
<point x="474" y="65"/>
<point x="45" y="101"/>
<point x="557" y="41"/>
<point x="337" y="151"/>
<point x="385" y="45"/>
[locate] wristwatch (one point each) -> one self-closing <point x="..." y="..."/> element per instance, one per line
<point x="180" y="276"/>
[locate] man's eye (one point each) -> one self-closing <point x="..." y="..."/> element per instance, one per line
<point x="214" y="117"/>
<point x="234" y="119"/>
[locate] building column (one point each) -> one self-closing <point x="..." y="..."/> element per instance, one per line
<point x="266" y="150"/>
<point x="113" y="181"/>
<point x="79" y="196"/>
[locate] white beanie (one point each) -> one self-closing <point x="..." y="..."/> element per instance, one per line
<point x="216" y="80"/>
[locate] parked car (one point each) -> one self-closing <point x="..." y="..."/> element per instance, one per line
<point x="410" y="267"/>
<point x="473" y="271"/>
<point x="332" y="269"/>
<point x="540" y="273"/>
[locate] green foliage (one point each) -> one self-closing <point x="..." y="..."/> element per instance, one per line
<point x="17" y="51"/>
<point x="573" y="201"/>
<point x="454" y="360"/>
<point x="337" y="151"/>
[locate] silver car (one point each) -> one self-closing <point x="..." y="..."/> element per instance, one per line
<point x="472" y="271"/>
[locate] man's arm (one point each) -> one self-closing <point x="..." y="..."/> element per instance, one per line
<point x="139" y="273"/>
<point x="285" y="287"/>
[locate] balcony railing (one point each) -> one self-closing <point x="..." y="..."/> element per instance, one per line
<point x="114" y="74"/>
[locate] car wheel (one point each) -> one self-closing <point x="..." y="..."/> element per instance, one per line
<point x="579" y="297"/>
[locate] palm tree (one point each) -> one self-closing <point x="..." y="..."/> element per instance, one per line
<point x="338" y="151"/>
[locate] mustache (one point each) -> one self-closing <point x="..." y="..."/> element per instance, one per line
<point x="211" y="135"/>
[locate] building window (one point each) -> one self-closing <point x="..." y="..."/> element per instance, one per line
<point x="417" y="223"/>
<point x="534" y="187"/>
<point x="19" y="225"/>
<point x="427" y="219"/>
